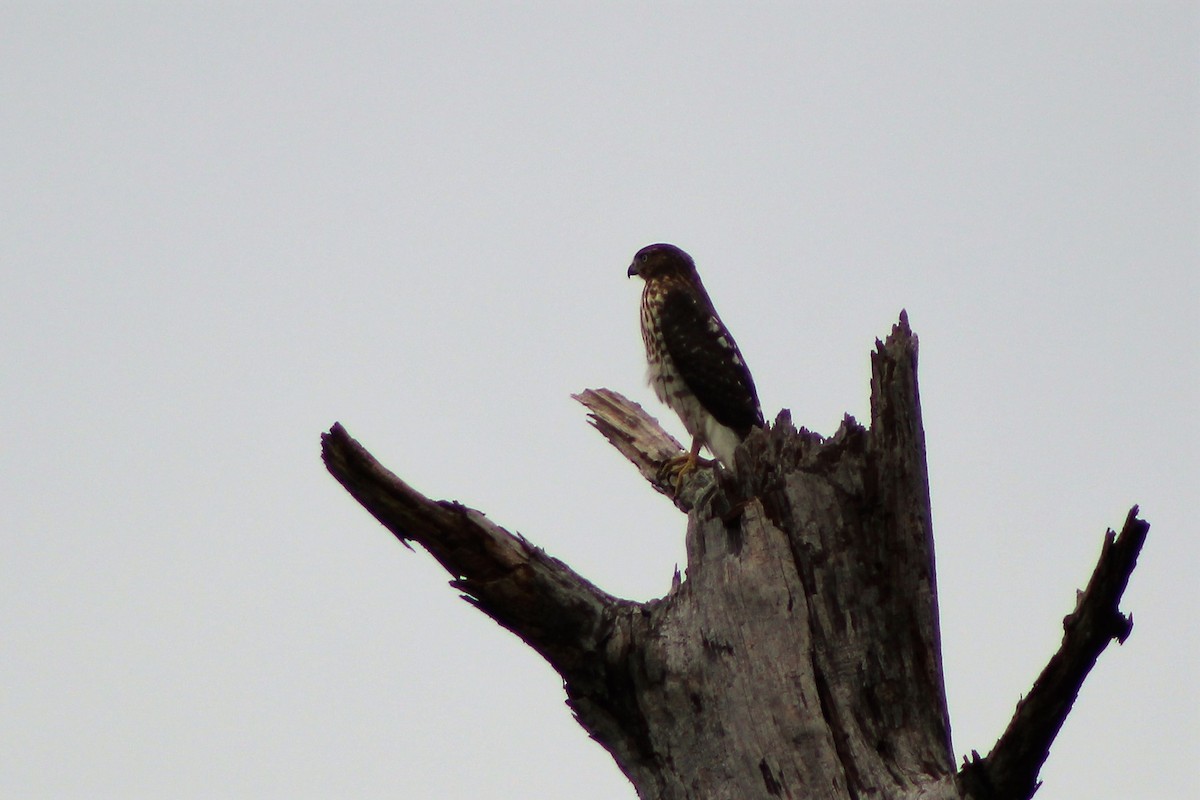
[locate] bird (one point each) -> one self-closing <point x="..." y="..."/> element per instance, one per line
<point x="694" y="365"/>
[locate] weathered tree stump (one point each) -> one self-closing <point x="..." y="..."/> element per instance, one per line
<point x="800" y="655"/>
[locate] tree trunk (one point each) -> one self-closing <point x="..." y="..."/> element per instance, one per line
<point x="800" y="656"/>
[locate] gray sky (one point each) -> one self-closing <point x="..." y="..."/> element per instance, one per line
<point x="222" y="229"/>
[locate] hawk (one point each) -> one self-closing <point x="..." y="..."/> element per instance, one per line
<point x="695" y="367"/>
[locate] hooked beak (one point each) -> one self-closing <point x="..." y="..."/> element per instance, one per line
<point x="633" y="270"/>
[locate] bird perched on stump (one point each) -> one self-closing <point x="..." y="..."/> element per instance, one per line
<point x="695" y="367"/>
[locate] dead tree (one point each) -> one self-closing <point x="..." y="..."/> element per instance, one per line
<point x="800" y="656"/>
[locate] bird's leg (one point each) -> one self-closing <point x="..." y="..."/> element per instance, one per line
<point x="689" y="464"/>
<point x="680" y="466"/>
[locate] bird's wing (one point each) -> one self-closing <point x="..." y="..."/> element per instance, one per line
<point x="708" y="359"/>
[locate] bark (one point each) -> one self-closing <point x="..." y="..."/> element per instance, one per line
<point x="800" y="656"/>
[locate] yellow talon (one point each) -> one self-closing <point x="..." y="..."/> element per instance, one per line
<point x="682" y="465"/>
<point x="688" y="465"/>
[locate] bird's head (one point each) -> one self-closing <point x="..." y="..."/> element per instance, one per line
<point x="661" y="260"/>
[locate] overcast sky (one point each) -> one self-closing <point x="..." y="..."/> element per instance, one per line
<point x="224" y="227"/>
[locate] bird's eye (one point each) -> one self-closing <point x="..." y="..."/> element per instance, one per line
<point x="643" y="257"/>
